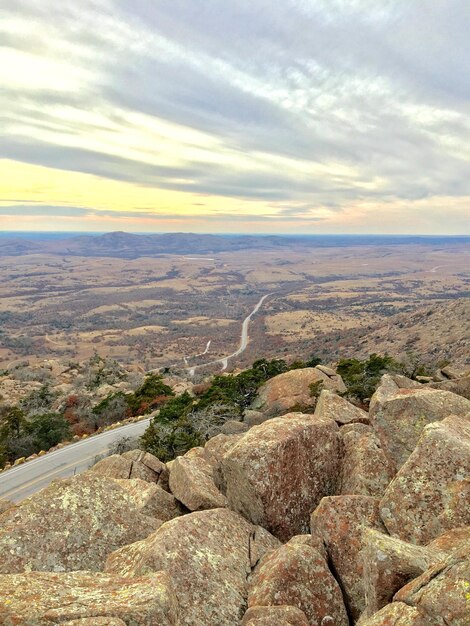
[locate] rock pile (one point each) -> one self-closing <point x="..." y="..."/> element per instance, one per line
<point x="332" y="518"/>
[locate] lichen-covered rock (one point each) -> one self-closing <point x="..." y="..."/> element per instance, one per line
<point x="218" y="446"/>
<point x="145" y="466"/>
<point x="233" y="427"/>
<point x="313" y="541"/>
<point x="340" y="521"/>
<point x="296" y="574"/>
<point x="443" y="591"/>
<point x="95" y="621"/>
<point x="389" y="564"/>
<point x="294" y="389"/>
<point x="400" y="614"/>
<point x="41" y="599"/>
<point x="191" y="482"/>
<point x="336" y="408"/>
<point x="5" y="505"/>
<point x="431" y="492"/>
<point x="399" y="418"/>
<point x="207" y="555"/>
<point x="254" y="418"/>
<point x="278" y="472"/>
<point x="366" y="469"/>
<point x="454" y="540"/>
<point x="274" y="616"/>
<point x="73" y="524"/>
<point x="460" y="386"/>
<point x="114" y="466"/>
<point x="150" y="499"/>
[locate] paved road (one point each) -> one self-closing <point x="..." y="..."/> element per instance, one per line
<point x="22" y="481"/>
<point x="243" y="341"/>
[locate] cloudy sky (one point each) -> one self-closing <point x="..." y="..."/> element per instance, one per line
<point x="321" y="116"/>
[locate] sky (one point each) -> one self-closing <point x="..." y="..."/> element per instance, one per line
<point x="250" y="116"/>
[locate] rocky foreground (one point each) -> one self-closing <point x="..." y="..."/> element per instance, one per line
<point x="335" y="518"/>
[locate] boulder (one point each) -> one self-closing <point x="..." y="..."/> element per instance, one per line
<point x="452" y="541"/>
<point x="233" y="427"/>
<point x="366" y="468"/>
<point x="311" y="540"/>
<point x="145" y="466"/>
<point x="207" y="555"/>
<point x="336" y="408"/>
<point x="399" y="614"/>
<point x="192" y="484"/>
<point x="431" y="492"/>
<point x="443" y="591"/>
<point x="114" y="466"/>
<point x="399" y="418"/>
<point x="296" y="389"/>
<point x="279" y="471"/>
<point x="389" y="564"/>
<point x="297" y="575"/>
<point x="274" y="616"/>
<point x="460" y="386"/>
<point x="150" y="499"/>
<point x="218" y="446"/>
<point x="340" y="521"/>
<point x="253" y="418"/>
<point x="5" y="505"/>
<point x="72" y="524"/>
<point x="83" y="598"/>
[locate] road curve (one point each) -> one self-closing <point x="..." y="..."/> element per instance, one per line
<point x="20" y="482"/>
<point x="243" y="341"/>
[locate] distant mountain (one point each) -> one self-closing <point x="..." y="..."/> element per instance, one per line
<point x="131" y="246"/>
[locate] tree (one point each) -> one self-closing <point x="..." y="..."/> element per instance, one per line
<point x="48" y="430"/>
<point x="362" y="377"/>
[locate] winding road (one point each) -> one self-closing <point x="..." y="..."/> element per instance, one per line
<point x="22" y="481"/>
<point x="243" y="341"/>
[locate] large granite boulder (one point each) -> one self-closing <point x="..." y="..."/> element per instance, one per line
<point x="279" y="471"/>
<point x="208" y="556"/>
<point x="460" y="386"/>
<point x="192" y="483"/>
<point x="150" y="499"/>
<point x="132" y="464"/>
<point x="336" y="408"/>
<point x="72" y="524"/>
<point x="274" y="616"/>
<point x="341" y="521"/>
<point x="431" y="492"/>
<point x="389" y="564"/>
<point x="400" y="417"/>
<point x="366" y="468"/>
<point x="442" y="592"/>
<point x="295" y="390"/>
<point x="85" y="598"/>
<point x="400" y="614"/>
<point x="297" y="575"/>
<point x="452" y="541"/>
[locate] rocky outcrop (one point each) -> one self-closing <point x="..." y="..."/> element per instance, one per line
<point x="150" y="499"/>
<point x="400" y="614"/>
<point x="366" y="468"/>
<point x="85" y="598"/>
<point x="400" y="416"/>
<point x="336" y="408"/>
<point x="191" y="482"/>
<point x="278" y="472"/>
<point x="132" y="464"/>
<point x="297" y="575"/>
<point x="455" y="540"/>
<point x="5" y="505"/>
<point x="389" y="564"/>
<point x="274" y="615"/>
<point x="460" y="386"/>
<point x="431" y="492"/>
<point x="295" y="390"/>
<point x="207" y="555"/>
<point x="340" y="522"/>
<point x="71" y="525"/>
<point x="442" y="592"/>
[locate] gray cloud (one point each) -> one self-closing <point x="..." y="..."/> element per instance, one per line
<point x="380" y="87"/>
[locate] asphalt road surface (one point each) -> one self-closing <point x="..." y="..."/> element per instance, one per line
<point x="22" y="481"/>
